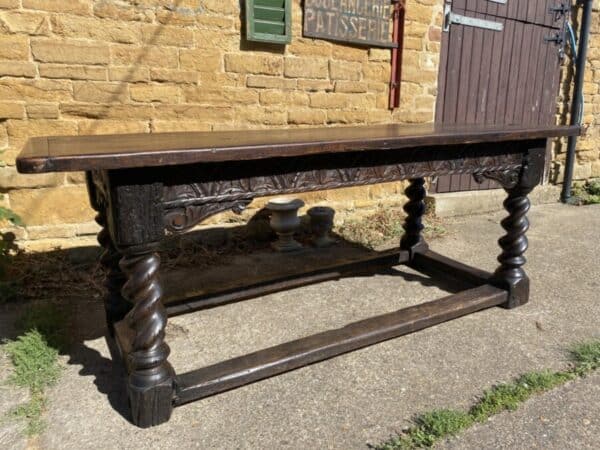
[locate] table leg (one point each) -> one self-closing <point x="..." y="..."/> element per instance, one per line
<point x="514" y="244"/>
<point x="412" y="240"/>
<point x="115" y="306"/>
<point x="510" y="274"/>
<point x="151" y="377"/>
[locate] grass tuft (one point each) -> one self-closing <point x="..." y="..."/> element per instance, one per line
<point x="508" y="396"/>
<point x="32" y="412"/>
<point x="586" y="357"/>
<point x="443" y="422"/>
<point x="374" y="229"/>
<point x="435" y="425"/>
<point x="34" y="356"/>
<point x="430" y="427"/>
<point x="587" y="193"/>
<point x="35" y="362"/>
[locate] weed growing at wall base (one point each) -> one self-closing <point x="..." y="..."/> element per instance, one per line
<point x="587" y="193"/>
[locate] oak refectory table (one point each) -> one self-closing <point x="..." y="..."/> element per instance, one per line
<point x="147" y="186"/>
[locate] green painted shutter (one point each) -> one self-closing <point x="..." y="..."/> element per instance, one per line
<point x="269" y="21"/>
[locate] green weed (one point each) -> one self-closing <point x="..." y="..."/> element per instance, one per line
<point x="35" y="362"/>
<point x="587" y="193"/>
<point x="586" y="357"/>
<point x="508" y="396"/>
<point x="435" y="425"/>
<point x="32" y="412"/>
<point x="34" y="356"/>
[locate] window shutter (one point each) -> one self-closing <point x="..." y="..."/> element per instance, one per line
<point x="269" y="21"/>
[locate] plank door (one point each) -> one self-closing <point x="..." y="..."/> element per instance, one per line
<point x="497" y="77"/>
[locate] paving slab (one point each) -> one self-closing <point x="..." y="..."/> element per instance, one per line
<point x="363" y="397"/>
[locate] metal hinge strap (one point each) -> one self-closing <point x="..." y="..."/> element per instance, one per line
<point x="453" y="18"/>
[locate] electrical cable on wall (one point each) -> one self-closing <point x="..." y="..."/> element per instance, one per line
<point x="573" y="45"/>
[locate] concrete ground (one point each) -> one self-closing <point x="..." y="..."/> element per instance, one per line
<point x="364" y="397"/>
<point x="565" y="418"/>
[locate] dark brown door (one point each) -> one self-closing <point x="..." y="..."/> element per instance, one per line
<point x="497" y="77"/>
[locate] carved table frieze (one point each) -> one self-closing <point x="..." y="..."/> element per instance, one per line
<point x="217" y="189"/>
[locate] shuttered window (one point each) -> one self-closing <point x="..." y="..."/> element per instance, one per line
<point x="269" y="21"/>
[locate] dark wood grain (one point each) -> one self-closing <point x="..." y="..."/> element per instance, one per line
<point x="528" y="11"/>
<point x="55" y="154"/>
<point x="413" y="239"/>
<point x="150" y="381"/>
<point x="195" y="192"/>
<point x="292" y="355"/>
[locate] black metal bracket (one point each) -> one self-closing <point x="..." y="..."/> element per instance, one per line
<point x="557" y="38"/>
<point x="560" y="11"/>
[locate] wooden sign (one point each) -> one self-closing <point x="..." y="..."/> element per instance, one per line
<point x="368" y="22"/>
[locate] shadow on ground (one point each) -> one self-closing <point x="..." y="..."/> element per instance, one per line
<point x="361" y="397"/>
<point x="67" y="286"/>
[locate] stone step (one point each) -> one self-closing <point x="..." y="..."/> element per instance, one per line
<point x="455" y="204"/>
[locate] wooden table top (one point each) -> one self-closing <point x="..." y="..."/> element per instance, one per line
<point x="103" y="152"/>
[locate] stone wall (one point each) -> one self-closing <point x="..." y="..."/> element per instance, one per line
<point x="588" y="147"/>
<point x="144" y="66"/>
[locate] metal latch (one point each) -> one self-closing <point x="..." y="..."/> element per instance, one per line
<point x="452" y="18"/>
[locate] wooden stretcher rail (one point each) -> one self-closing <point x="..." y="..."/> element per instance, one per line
<point x="428" y="262"/>
<point x="295" y="354"/>
<point x="436" y="265"/>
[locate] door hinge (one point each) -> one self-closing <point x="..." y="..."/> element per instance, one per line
<point x="559" y="37"/>
<point x="562" y="9"/>
<point x="453" y="18"/>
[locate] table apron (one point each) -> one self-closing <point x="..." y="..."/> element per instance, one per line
<point x="185" y="195"/>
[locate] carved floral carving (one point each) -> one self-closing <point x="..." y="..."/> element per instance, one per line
<point x="187" y="204"/>
<point x="181" y="219"/>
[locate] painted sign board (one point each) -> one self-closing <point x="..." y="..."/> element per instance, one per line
<point x="366" y="22"/>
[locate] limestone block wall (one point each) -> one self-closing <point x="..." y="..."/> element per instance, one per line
<point x="144" y="66"/>
<point x="588" y="147"/>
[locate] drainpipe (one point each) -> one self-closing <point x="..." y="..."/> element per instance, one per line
<point x="577" y="105"/>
